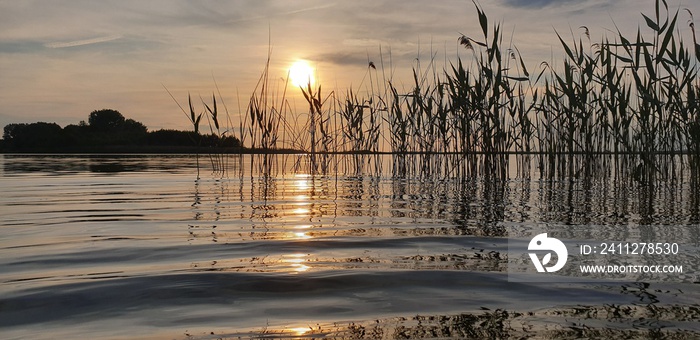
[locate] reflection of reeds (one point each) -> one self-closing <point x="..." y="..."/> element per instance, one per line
<point x="639" y="321"/>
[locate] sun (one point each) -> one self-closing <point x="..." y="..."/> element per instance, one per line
<point x="301" y="73"/>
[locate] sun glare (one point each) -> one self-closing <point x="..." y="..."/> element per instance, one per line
<point x="301" y="73"/>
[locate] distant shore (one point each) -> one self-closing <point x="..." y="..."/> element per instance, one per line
<point x="203" y="150"/>
<point x="143" y="149"/>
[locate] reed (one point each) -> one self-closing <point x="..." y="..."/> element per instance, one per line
<point x="216" y="161"/>
<point x="359" y="129"/>
<point x="319" y="121"/>
<point x="637" y="97"/>
<point x="263" y="117"/>
<point x="194" y="119"/>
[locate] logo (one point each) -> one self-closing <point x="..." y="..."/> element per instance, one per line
<point x="551" y="244"/>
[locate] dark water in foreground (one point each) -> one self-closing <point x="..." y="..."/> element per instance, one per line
<point x="134" y="247"/>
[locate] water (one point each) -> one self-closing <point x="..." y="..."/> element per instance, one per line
<point x="136" y="247"/>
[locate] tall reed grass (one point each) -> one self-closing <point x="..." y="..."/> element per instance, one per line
<point x="637" y="97"/>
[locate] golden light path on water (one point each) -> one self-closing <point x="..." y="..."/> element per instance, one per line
<point x="129" y="238"/>
<point x="297" y="262"/>
<point x="302" y="188"/>
<point x="303" y="196"/>
<point x="299" y="331"/>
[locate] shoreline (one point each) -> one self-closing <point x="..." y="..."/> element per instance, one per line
<point x="134" y="149"/>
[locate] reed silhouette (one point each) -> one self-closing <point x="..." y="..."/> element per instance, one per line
<point x="633" y="97"/>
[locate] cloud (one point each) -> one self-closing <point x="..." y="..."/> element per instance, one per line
<point x="20" y="46"/>
<point x="345" y="58"/>
<point x="63" y="47"/>
<point x="226" y="14"/>
<point x="534" y="4"/>
<point x="366" y="42"/>
<point x="83" y="42"/>
<point x="308" y="9"/>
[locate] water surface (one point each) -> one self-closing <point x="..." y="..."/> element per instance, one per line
<point x="137" y="247"/>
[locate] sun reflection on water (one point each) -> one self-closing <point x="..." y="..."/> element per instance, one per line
<point x="301" y="211"/>
<point x="299" y="331"/>
<point x="302" y="236"/>
<point x="302" y="181"/>
<point x="299" y="268"/>
<point x="297" y="262"/>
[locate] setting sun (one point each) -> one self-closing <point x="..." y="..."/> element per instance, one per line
<point x="301" y="73"/>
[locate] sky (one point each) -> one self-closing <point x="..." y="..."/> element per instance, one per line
<point x="62" y="59"/>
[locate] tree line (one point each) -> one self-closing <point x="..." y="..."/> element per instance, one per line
<point x="105" y="129"/>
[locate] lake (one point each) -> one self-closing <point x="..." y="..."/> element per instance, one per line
<point x="139" y="247"/>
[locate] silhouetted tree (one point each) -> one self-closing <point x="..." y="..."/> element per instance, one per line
<point x="134" y="127"/>
<point x="105" y="127"/>
<point x="171" y="138"/>
<point x="34" y="135"/>
<point x="189" y="138"/>
<point x="109" y="127"/>
<point x="11" y="131"/>
<point x="78" y="134"/>
<point x="106" y="120"/>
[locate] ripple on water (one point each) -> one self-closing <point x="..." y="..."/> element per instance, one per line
<point x="90" y="244"/>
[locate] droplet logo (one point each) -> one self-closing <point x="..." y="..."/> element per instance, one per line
<point x="551" y="244"/>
